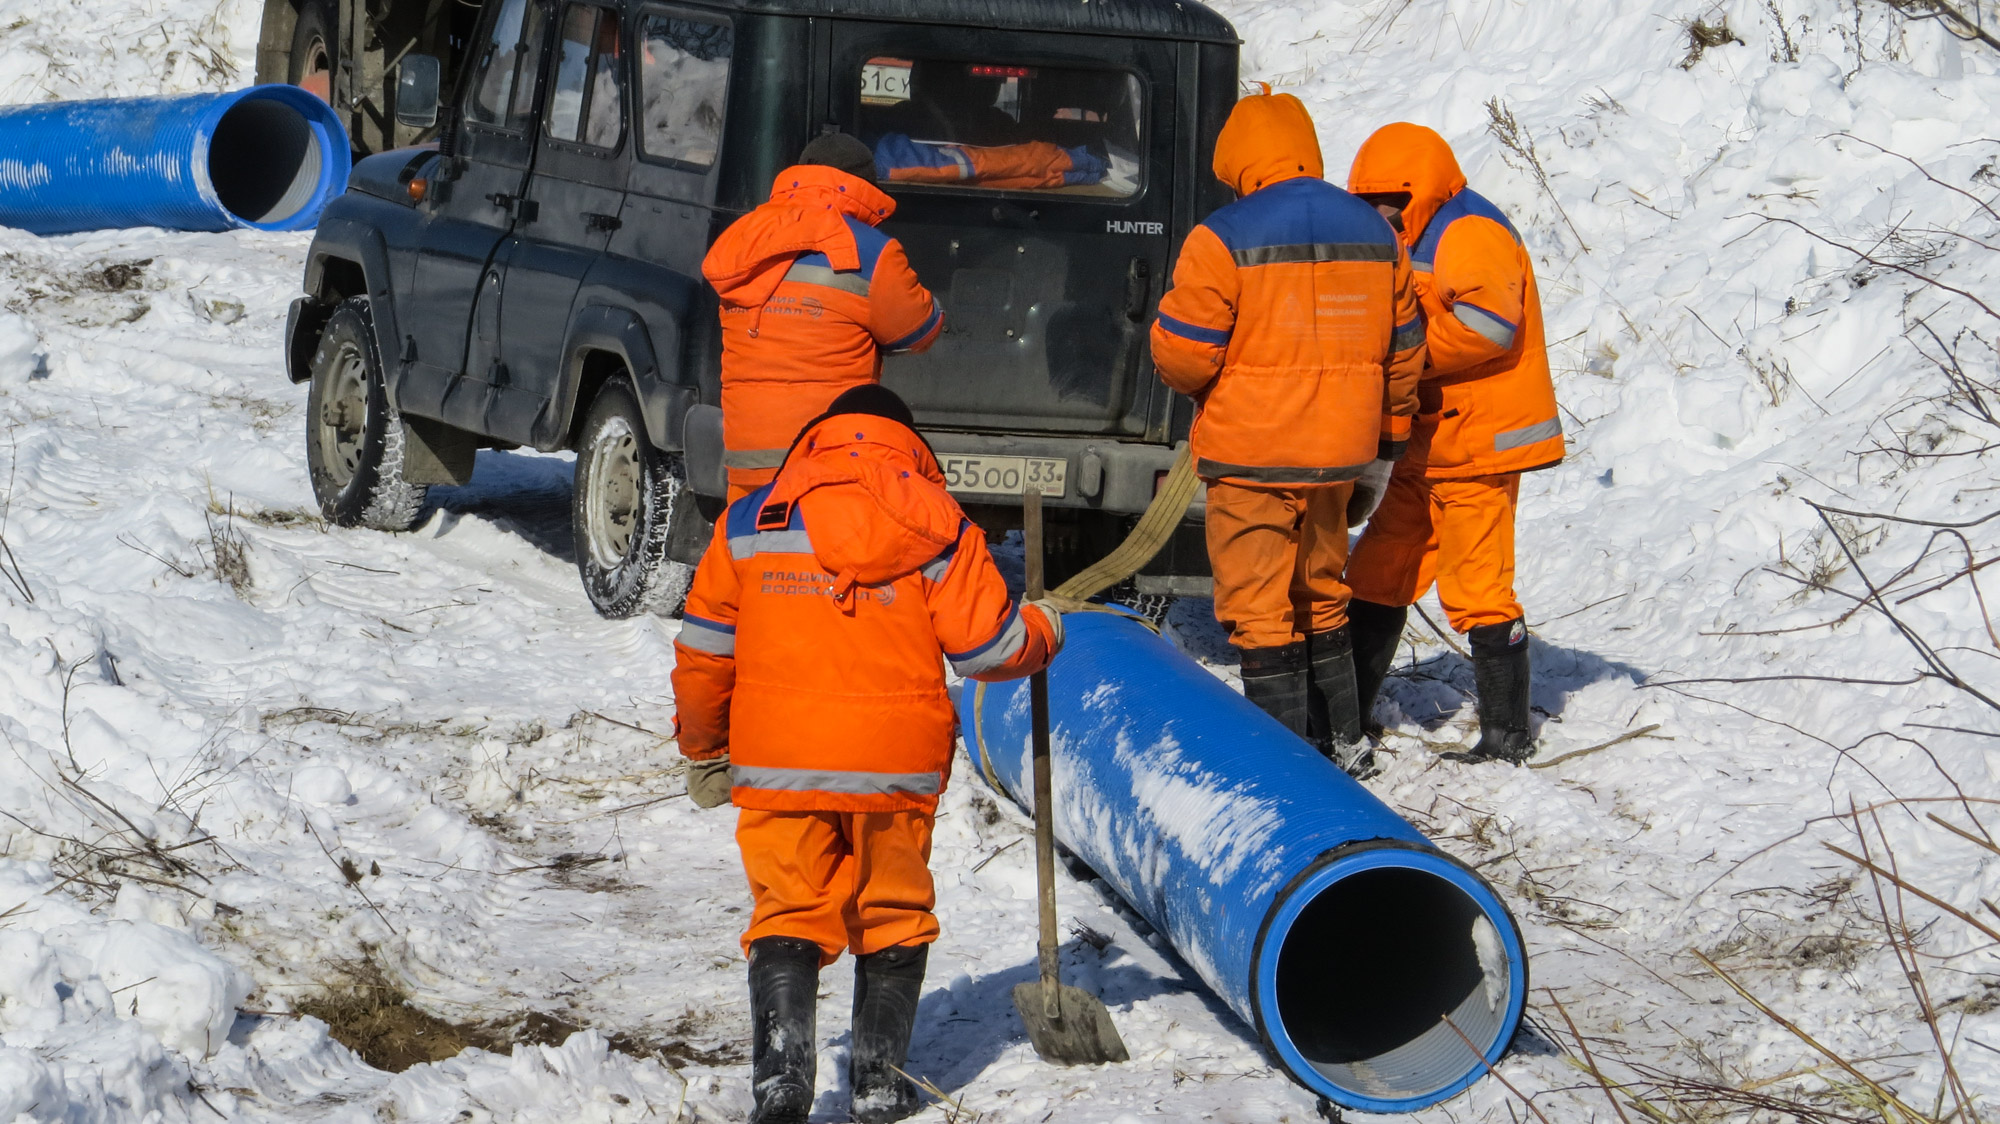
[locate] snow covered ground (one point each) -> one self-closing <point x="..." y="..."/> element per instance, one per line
<point x="420" y="761"/>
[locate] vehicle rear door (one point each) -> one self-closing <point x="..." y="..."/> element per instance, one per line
<point x="468" y="217"/>
<point x="576" y="193"/>
<point x="1047" y="283"/>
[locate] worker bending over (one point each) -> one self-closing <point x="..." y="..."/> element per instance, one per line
<point x="1488" y="415"/>
<point x="810" y="689"/>
<point x="1293" y="322"/>
<point x="812" y="297"/>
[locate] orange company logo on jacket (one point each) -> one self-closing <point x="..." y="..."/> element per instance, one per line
<point x="812" y="297"/>
<point x="1293" y="319"/>
<point x="813" y="645"/>
<point x="1488" y="405"/>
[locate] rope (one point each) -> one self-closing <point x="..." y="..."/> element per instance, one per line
<point x="1162" y="516"/>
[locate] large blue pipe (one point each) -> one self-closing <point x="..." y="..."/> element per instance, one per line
<point x="1317" y="914"/>
<point x="268" y="158"/>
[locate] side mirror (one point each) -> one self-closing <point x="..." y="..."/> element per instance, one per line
<point x="417" y="81"/>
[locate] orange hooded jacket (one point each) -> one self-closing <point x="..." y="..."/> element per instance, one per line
<point x="812" y="296"/>
<point x="1489" y="406"/>
<point x="813" y="645"/>
<point x="1293" y="319"/>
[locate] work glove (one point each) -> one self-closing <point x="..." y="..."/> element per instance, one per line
<point x="1368" y="490"/>
<point x="1052" y="615"/>
<point x="708" y="782"/>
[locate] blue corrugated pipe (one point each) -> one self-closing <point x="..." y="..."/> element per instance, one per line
<point x="269" y="158"/>
<point x="1317" y="914"/>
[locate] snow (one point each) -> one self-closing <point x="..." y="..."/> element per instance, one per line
<point x="422" y="755"/>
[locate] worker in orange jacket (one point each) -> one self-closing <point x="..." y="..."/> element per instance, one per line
<point x="810" y="689"/>
<point x="813" y="296"/>
<point x="1488" y="415"/>
<point x="1293" y="322"/>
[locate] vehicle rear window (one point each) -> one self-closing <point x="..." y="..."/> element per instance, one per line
<point x="999" y="126"/>
<point x="683" y="87"/>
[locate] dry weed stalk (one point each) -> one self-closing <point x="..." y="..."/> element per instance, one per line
<point x="1507" y="129"/>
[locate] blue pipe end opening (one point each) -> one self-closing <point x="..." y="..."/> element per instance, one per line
<point x="273" y="156"/>
<point x="1363" y="959"/>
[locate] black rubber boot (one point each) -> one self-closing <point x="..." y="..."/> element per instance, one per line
<point x="1333" y="709"/>
<point x="784" y="1040"/>
<point x="1376" y="630"/>
<point x="886" y="987"/>
<point x="1276" y="680"/>
<point x="1500" y="672"/>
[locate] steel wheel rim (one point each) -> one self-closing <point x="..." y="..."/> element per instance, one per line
<point x="316" y="75"/>
<point x="612" y="494"/>
<point x="343" y="416"/>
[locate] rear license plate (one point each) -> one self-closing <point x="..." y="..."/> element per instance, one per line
<point x="1006" y="476"/>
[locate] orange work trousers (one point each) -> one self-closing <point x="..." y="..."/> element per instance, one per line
<point x="842" y="880"/>
<point x="1277" y="555"/>
<point x="1456" y="533"/>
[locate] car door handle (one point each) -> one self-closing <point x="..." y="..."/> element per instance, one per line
<point x="601" y="223"/>
<point x="523" y="210"/>
<point x="1138" y="286"/>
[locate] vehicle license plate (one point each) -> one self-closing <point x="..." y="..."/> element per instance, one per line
<point x="1006" y="476"/>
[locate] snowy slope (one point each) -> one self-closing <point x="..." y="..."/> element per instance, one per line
<point x="191" y="762"/>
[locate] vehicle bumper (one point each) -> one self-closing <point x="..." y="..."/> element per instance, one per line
<point x="1111" y="476"/>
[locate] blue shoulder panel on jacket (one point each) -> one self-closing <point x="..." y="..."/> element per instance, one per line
<point x="743" y="513"/>
<point x="1465" y="203"/>
<point x="1299" y="212"/>
<point x="870" y="241"/>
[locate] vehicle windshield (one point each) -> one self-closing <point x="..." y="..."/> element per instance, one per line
<point x="998" y="126"/>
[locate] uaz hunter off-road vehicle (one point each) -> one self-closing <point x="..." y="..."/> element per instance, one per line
<point x="534" y="279"/>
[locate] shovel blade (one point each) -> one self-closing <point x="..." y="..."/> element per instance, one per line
<point x="1081" y="1034"/>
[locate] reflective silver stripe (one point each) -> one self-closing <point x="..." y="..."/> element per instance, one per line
<point x="936" y="567"/>
<point x="702" y="638"/>
<point x="753" y="458"/>
<point x="1486" y="324"/>
<point x="1527" y="435"/>
<point x="1316" y="252"/>
<point x="833" y="780"/>
<point x="832" y="279"/>
<point x="770" y="542"/>
<point x="1407" y="336"/>
<point x="1004" y="647"/>
<point x="1275" y="474"/>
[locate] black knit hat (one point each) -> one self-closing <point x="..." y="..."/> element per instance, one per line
<point x="842" y="152"/>
<point x="875" y="400"/>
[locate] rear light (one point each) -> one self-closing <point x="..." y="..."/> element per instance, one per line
<point x="1001" y="72"/>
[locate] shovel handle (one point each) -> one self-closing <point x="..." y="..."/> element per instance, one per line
<point x="1045" y="831"/>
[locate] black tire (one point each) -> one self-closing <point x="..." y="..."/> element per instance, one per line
<point x="315" y="41"/>
<point x="623" y="509"/>
<point x="354" y="436"/>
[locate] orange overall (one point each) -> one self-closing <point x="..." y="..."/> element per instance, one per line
<point x="1488" y="409"/>
<point x="1294" y="324"/>
<point x="812" y="653"/>
<point x="812" y="297"/>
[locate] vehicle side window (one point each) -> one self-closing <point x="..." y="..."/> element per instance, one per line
<point x="587" y="105"/>
<point x="503" y="78"/>
<point x="683" y="87"/>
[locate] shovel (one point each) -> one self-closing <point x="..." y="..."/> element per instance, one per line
<point x="1067" y="1025"/>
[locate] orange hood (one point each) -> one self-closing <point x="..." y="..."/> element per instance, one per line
<point x="1268" y="138"/>
<point x="873" y="498"/>
<point x="807" y="212"/>
<point x="1412" y="158"/>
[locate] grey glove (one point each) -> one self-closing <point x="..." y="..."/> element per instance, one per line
<point x="708" y="782"/>
<point x="1368" y="490"/>
<point x="1052" y="615"/>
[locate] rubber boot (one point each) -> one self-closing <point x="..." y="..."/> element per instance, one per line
<point x="1333" y="708"/>
<point x="1276" y="680"/>
<point x="784" y="1040"/>
<point x="1376" y="630"/>
<point x="886" y="987"/>
<point x="1500" y="672"/>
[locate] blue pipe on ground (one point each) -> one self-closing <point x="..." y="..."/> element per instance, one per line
<point x="1321" y="917"/>
<point x="268" y="158"/>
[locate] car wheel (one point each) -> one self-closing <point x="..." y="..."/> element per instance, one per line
<point x="315" y="48"/>
<point x="354" y="436"/>
<point x="627" y="495"/>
